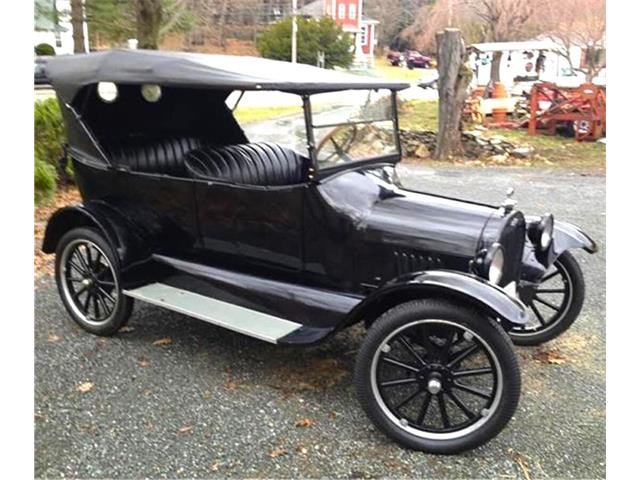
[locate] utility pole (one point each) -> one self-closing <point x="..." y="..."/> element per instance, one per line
<point x="294" y="31"/>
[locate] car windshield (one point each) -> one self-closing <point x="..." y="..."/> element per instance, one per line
<point x="352" y="125"/>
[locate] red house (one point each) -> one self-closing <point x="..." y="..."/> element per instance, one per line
<point x="348" y="14"/>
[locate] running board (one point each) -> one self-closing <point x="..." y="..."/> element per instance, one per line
<point x="223" y="314"/>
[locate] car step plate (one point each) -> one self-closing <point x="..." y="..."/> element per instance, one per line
<point x="239" y="319"/>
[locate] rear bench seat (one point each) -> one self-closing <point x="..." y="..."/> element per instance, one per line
<point x="267" y="164"/>
<point x="164" y="156"/>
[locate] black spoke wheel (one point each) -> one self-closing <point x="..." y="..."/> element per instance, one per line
<point x="555" y="304"/>
<point x="437" y="377"/>
<point x="89" y="282"/>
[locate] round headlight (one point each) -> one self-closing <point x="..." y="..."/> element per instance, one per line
<point x="495" y="260"/>
<point x="546" y="231"/>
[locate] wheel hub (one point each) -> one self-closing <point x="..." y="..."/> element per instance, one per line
<point x="434" y="385"/>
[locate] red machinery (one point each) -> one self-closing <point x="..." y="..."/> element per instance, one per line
<point x="582" y="109"/>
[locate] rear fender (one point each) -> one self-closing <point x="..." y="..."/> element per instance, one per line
<point x="116" y="231"/>
<point x="459" y="287"/>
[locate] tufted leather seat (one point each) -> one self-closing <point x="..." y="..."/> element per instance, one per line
<point x="163" y="156"/>
<point x="267" y="164"/>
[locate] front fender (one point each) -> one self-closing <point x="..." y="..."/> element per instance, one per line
<point x="567" y="235"/>
<point x="461" y="287"/>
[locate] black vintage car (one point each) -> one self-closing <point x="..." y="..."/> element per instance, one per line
<point x="291" y="244"/>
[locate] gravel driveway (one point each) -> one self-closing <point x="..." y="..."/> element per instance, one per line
<point x="211" y="403"/>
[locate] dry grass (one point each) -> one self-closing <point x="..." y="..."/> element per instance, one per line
<point x="43" y="263"/>
<point x="256" y="114"/>
<point x="382" y="68"/>
<point x="551" y="151"/>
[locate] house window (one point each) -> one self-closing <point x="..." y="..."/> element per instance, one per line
<point x="352" y="11"/>
<point x="363" y="35"/>
<point x="341" y="10"/>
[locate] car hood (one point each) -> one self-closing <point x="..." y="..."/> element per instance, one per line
<point x="387" y="214"/>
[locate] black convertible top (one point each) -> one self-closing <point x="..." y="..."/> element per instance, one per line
<point x="70" y="73"/>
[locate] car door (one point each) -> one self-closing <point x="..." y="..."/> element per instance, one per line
<point x="251" y="225"/>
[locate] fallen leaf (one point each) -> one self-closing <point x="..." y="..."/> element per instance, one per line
<point x="162" y="342"/>
<point x="186" y="429"/>
<point x="549" y="356"/>
<point x="302" y="449"/>
<point x="53" y="338"/>
<point x="277" y="452"/>
<point x="126" y="329"/>
<point x="85" y="387"/>
<point x="231" y="385"/>
<point x="215" y="466"/>
<point x="143" y="362"/>
<point x="333" y="415"/>
<point x="305" y="422"/>
<point x="316" y="375"/>
<point x="521" y="461"/>
<point x="147" y="392"/>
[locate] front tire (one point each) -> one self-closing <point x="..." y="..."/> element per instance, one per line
<point x="555" y="305"/>
<point x="437" y="377"/>
<point x="88" y="279"/>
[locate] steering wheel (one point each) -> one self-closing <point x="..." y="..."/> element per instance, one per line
<point x="340" y="149"/>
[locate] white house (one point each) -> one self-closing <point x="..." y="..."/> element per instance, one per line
<point x="53" y="31"/>
<point x="520" y="61"/>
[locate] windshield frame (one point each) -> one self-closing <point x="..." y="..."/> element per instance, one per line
<point x="316" y="172"/>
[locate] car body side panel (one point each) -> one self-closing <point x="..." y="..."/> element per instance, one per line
<point x="309" y="306"/>
<point x="161" y="206"/>
<point x="253" y="225"/>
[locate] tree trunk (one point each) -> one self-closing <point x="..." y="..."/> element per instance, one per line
<point x="222" y="22"/>
<point x="77" y="25"/>
<point x="453" y="79"/>
<point x="588" y="76"/>
<point x="148" y="20"/>
<point x="496" y="60"/>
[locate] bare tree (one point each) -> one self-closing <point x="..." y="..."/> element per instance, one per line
<point x="502" y="20"/>
<point x="77" y="25"/>
<point x="479" y="21"/>
<point x="582" y="24"/>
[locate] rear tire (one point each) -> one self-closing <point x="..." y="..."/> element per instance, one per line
<point x="453" y="366"/>
<point x="88" y="279"/>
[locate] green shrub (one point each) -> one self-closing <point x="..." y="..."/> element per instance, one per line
<point x="314" y="35"/>
<point x="49" y="138"/>
<point x="44" y="49"/>
<point x="49" y="134"/>
<point x="44" y="179"/>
